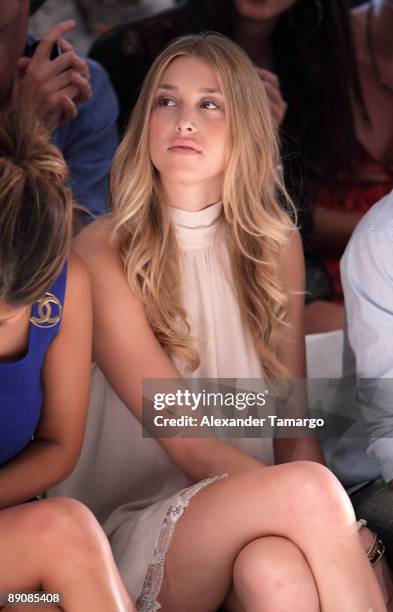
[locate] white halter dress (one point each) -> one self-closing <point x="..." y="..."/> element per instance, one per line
<point x="130" y="482"/>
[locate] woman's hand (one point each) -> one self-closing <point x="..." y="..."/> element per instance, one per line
<point x="278" y="106"/>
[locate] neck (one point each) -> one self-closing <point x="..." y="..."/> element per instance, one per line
<point x="192" y="197"/>
<point x="255" y="37"/>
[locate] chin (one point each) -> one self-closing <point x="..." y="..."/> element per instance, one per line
<point x="179" y="173"/>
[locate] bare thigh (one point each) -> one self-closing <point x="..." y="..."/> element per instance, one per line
<point x="219" y="522"/>
<point x="20" y="550"/>
<point x="57" y="545"/>
<point x="31" y="540"/>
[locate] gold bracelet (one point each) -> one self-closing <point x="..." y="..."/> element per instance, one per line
<point x="377" y="548"/>
<point x="376" y="552"/>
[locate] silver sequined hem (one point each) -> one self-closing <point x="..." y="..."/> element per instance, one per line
<point x="147" y="600"/>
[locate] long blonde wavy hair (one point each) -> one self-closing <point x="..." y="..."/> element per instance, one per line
<point x="254" y="202"/>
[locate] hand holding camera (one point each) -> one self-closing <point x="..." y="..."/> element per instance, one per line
<point x="54" y="79"/>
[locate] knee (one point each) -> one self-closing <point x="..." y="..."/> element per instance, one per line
<point x="275" y="568"/>
<point x="271" y="561"/>
<point x="58" y="513"/>
<point x="314" y="489"/>
<point x="67" y="523"/>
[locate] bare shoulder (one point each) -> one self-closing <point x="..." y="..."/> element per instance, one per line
<point x="292" y="262"/>
<point x="100" y="257"/>
<point x="104" y="264"/>
<point x="93" y="240"/>
<point x="77" y="296"/>
<point x="77" y="274"/>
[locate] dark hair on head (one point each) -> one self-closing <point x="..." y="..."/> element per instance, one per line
<point x="35" y="208"/>
<point x="315" y="59"/>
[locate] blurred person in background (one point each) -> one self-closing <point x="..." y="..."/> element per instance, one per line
<point x="101" y="17"/>
<point x="339" y="207"/>
<point x="365" y="463"/>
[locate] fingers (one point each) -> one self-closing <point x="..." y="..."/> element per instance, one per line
<point x="46" y="77"/>
<point x="278" y="106"/>
<point x="68" y="58"/>
<point x="66" y="47"/>
<point x="271" y="82"/>
<point x="22" y="64"/>
<point x="44" y="49"/>
<point x="80" y="90"/>
<point x="69" y="109"/>
<point x="64" y="62"/>
<point x="70" y="92"/>
<point x="273" y="93"/>
<point x="84" y="88"/>
<point x="278" y="110"/>
<point x="65" y="111"/>
<point x="269" y="77"/>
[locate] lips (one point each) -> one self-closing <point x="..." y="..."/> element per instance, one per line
<point x="184" y="145"/>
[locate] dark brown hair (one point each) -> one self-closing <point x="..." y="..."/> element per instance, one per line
<point x="35" y="208"/>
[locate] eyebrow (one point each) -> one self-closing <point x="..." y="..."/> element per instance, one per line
<point x="170" y="87"/>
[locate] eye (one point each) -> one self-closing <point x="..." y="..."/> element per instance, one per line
<point x="211" y="105"/>
<point x="165" y="101"/>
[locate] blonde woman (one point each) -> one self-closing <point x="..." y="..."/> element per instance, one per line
<point x="198" y="271"/>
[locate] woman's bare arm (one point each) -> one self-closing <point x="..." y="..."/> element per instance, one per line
<point x="66" y="375"/>
<point x="292" y="352"/>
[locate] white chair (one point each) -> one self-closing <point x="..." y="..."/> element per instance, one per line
<point x="324" y="354"/>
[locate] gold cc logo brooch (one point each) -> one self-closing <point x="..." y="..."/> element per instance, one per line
<point x="49" y="311"/>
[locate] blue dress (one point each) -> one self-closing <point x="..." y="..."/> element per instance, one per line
<point x="20" y="381"/>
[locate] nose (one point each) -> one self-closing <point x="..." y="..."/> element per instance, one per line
<point x="185" y="125"/>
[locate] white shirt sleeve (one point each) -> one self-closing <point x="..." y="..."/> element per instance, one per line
<point x="367" y="278"/>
